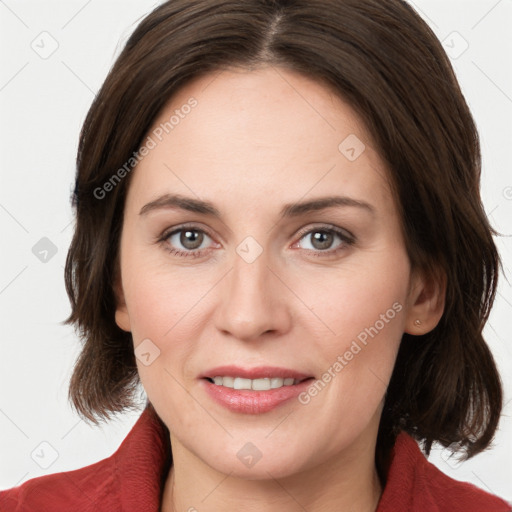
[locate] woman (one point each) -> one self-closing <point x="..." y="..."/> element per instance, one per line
<point x="280" y="234"/>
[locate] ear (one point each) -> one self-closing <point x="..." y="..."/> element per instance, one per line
<point x="426" y="302"/>
<point x="122" y="316"/>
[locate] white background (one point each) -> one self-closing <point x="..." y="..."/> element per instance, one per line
<point x="43" y="102"/>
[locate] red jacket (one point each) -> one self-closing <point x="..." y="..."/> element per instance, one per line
<point x="131" y="480"/>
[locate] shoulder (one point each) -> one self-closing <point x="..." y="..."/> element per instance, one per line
<point x="81" y="489"/>
<point x="130" y="479"/>
<point x="414" y="484"/>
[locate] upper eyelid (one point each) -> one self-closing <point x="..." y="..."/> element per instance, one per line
<point x="176" y="229"/>
<point x="323" y="227"/>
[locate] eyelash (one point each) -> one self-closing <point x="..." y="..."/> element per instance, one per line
<point x="347" y="240"/>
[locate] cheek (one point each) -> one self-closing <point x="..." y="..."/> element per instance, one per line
<point x="361" y="311"/>
<point x="164" y="311"/>
<point x="369" y="290"/>
<point x="161" y="298"/>
<point x="168" y="307"/>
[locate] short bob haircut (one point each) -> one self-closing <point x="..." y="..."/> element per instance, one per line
<point x="384" y="60"/>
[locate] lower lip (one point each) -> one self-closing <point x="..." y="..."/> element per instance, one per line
<point x="254" y="402"/>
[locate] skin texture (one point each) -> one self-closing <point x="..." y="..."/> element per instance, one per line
<point x="255" y="141"/>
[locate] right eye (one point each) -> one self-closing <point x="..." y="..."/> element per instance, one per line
<point x="187" y="241"/>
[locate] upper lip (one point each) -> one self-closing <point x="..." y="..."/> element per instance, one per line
<point x="257" y="372"/>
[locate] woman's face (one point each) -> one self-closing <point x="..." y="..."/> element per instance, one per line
<point x="260" y="235"/>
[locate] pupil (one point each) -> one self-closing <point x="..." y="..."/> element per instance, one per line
<point x="191" y="239"/>
<point x="322" y="240"/>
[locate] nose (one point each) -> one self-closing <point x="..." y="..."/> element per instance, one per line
<point x="253" y="302"/>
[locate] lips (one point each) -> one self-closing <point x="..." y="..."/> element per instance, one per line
<point x="249" y="395"/>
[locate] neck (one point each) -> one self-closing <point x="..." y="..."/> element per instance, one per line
<point x="346" y="482"/>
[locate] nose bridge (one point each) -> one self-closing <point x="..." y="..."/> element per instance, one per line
<point x="252" y="302"/>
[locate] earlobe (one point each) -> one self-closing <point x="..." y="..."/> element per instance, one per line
<point x="122" y="316"/>
<point x="427" y="300"/>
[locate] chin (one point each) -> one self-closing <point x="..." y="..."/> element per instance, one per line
<point x="251" y="463"/>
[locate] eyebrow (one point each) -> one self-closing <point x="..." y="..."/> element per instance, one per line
<point x="176" y="201"/>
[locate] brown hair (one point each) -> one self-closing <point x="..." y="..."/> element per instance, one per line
<point x="382" y="58"/>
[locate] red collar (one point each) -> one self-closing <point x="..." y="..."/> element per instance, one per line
<point x="132" y="480"/>
<point x="413" y="483"/>
<point x="142" y="463"/>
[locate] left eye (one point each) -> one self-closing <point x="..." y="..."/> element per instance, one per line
<point x="322" y="240"/>
<point x="189" y="239"/>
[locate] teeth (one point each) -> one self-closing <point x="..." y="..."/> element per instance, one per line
<point x="228" y="381"/>
<point x="240" y="383"/>
<point x="254" y="384"/>
<point x="276" y="382"/>
<point x="260" y="384"/>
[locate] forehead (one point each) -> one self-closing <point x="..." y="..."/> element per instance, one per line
<point x="267" y="130"/>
